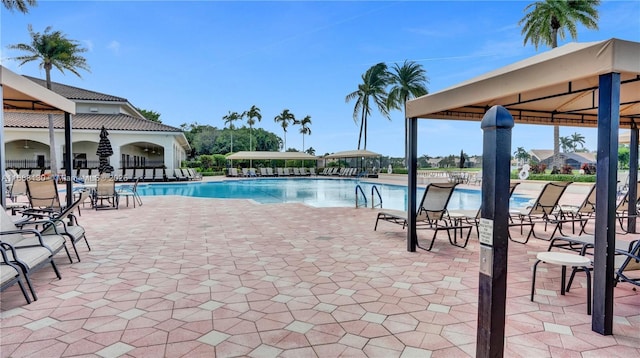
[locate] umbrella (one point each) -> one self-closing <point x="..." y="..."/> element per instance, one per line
<point x="461" y="159"/>
<point x="104" y="152"/>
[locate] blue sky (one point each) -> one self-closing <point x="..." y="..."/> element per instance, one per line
<point x="194" y="61"/>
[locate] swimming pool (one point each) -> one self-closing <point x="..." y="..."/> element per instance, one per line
<point x="314" y="192"/>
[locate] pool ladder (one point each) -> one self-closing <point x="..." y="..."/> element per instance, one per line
<point x="374" y="190"/>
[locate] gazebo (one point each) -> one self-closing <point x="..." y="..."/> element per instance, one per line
<point x="594" y="84"/>
<point x="359" y="154"/>
<point x="22" y="95"/>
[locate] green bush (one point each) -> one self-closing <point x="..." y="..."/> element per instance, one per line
<point x="400" y="171"/>
<point x="558" y="177"/>
<point x="212" y="174"/>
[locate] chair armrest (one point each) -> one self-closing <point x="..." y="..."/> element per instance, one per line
<point x="28" y="231"/>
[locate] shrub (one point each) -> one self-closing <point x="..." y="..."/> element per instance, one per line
<point x="566" y="169"/>
<point x="589" y="169"/>
<point x="538" y="168"/>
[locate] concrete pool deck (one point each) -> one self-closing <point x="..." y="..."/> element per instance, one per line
<point x="183" y="276"/>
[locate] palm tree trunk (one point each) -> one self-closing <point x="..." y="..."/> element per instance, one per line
<point x="303" y="142"/>
<point x="361" y="126"/>
<point x="52" y="134"/>
<point x="556" y="146"/>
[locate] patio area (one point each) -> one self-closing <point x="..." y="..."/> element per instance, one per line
<point x="183" y="276"/>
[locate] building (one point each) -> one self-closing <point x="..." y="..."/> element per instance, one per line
<point x="136" y="141"/>
<point x="574" y="159"/>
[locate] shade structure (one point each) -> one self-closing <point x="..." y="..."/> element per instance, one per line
<point x="262" y="155"/>
<point x="555" y="87"/>
<point x="104" y="151"/>
<point x="352" y="154"/>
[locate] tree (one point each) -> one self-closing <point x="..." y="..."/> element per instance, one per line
<point x="52" y="49"/>
<point x="547" y="20"/>
<point x="566" y="144"/>
<point x="577" y="139"/>
<point x="228" y="120"/>
<point x="521" y="155"/>
<point x="310" y="151"/>
<point x="21" y="5"/>
<point x="252" y="114"/>
<point x="150" y="115"/>
<point x="304" y="128"/>
<point x="407" y="81"/>
<point x="372" y="88"/>
<point x="284" y="119"/>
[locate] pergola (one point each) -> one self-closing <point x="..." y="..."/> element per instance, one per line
<point x="22" y="95"/>
<point x="594" y="84"/>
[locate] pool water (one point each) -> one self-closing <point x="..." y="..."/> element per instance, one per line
<point x="314" y="192"/>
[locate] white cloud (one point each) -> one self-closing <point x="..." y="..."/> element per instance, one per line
<point x="114" y="46"/>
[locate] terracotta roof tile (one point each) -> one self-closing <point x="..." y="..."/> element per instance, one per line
<point x="86" y="121"/>
<point x="76" y="93"/>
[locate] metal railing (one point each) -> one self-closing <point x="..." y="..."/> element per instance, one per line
<point x="364" y="197"/>
<point x="375" y="190"/>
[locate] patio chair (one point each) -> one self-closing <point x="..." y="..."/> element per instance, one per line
<point x="130" y="191"/>
<point x="541" y="211"/>
<point x="578" y="213"/>
<point x="128" y="174"/>
<point x="312" y="171"/>
<point x="622" y="210"/>
<point x="43" y="195"/>
<point x="10" y="275"/>
<point x="179" y="175"/>
<point x="263" y="172"/>
<point x="158" y="174"/>
<point x="29" y="249"/>
<point x="17" y="189"/>
<point x="431" y="215"/>
<point x="105" y="190"/>
<point x="193" y="174"/>
<point x="629" y="270"/>
<point x="148" y="174"/>
<point x="55" y="224"/>
<point x="270" y="172"/>
<point x="296" y="172"/>
<point x="280" y="171"/>
<point x="473" y="216"/>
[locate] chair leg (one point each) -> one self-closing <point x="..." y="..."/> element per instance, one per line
<point x="24" y="291"/>
<point x="533" y="280"/>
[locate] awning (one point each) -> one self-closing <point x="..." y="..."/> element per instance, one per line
<point x="352" y="154"/>
<point x="22" y="94"/>
<point x="272" y="155"/>
<point x="554" y="87"/>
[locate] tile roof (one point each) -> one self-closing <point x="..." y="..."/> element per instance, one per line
<point x="75" y="93"/>
<point x="86" y="121"/>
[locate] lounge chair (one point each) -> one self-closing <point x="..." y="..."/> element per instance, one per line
<point x="106" y="190"/>
<point x="296" y="172"/>
<point x="312" y="171"/>
<point x="193" y="174"/>
<point x="630" y="263"/>
<point x="148" y="174"/>
<point x="10" y="275"/>
<point x="178" y="175"/>
<point x="431" y="215"/>
<point x="280" y="171"/>
<point x="128" y="174"/>
<point x="17" y="189"/>
<point x="581" y="213"/>
<point x="541" y="211"/>
<point x="83" y="174"/>
<point x="263" y="172"/>
<point x="158" y="174"/>
<point x="55" y="224"/>
<point x="43" y="195"/>
<point x="286" y="172"/>
<point x="130" y="191"/>
<point x="232" y="172"/>
<point x="270" y="172"/>
<point x="29" y="249"/>
<point x="138" y="174"/>
<point x="471" y="216"/>
<point x="622" y="210"/>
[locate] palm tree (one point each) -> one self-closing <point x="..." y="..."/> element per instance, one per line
<point x="577" y="138"/>
<point x="304" y="127"/>
<point x="284" y="119"/>
<point x="52" y="49"/>
<point x="21" y="5"/>
<point x="521" y="155"/>
<point x="373" y="87"/>
<point x="253" y="112"/>
<point x="566" y="144"/>
<point x="548" y="19"/>
<point x="228" y="120"/>
<point x="407" y="81"/>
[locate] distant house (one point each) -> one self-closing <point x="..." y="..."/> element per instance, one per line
<point x="136" y="141"/>
<point x="574" y="159"/>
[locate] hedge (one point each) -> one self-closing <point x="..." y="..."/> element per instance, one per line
<point x="558" y="177"/>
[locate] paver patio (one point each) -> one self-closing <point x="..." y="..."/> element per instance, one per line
<point x="208" y="277"/>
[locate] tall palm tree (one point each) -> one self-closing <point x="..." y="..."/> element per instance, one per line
<point x="21" y="5"/>
<point x="52" y="49"/>
<point x="228" y="120"/>
<point x="284" y="119"/>
<point x="372" y="88"/>
<point x="252" y="114"/>
<point x="547" y="20"/>
<point x="577" y="138"/>
<point x="407" y="81"/>
<point x="304" y="127"/>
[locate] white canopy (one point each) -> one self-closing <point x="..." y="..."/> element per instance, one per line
<point x="20" y="93"/>
<point x="272" y="155"/>
<point x="559" y="86"/>
<point x="352" y="154"/>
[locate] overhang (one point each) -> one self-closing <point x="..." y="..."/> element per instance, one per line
<point x="352" y="154"/>
<point x="260" y="155"/>
<point x="559" y="86"/>
<point x="19" y="93"/>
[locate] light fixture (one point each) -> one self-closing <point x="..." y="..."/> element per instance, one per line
<point x="146" y="149"/>
<point x="153" y="151"/>
<point x="26" y="145"/>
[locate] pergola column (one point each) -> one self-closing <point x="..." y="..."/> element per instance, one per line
<point x="412" y="154"/>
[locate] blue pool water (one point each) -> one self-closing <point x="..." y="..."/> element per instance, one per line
<point x="314" y="192"/>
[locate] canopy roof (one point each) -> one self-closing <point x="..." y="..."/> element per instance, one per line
<point x="352" y="154"/>
<point x="556" y="87"/>
<point x="272" y="155"/>
<point x="19" y="93"/>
